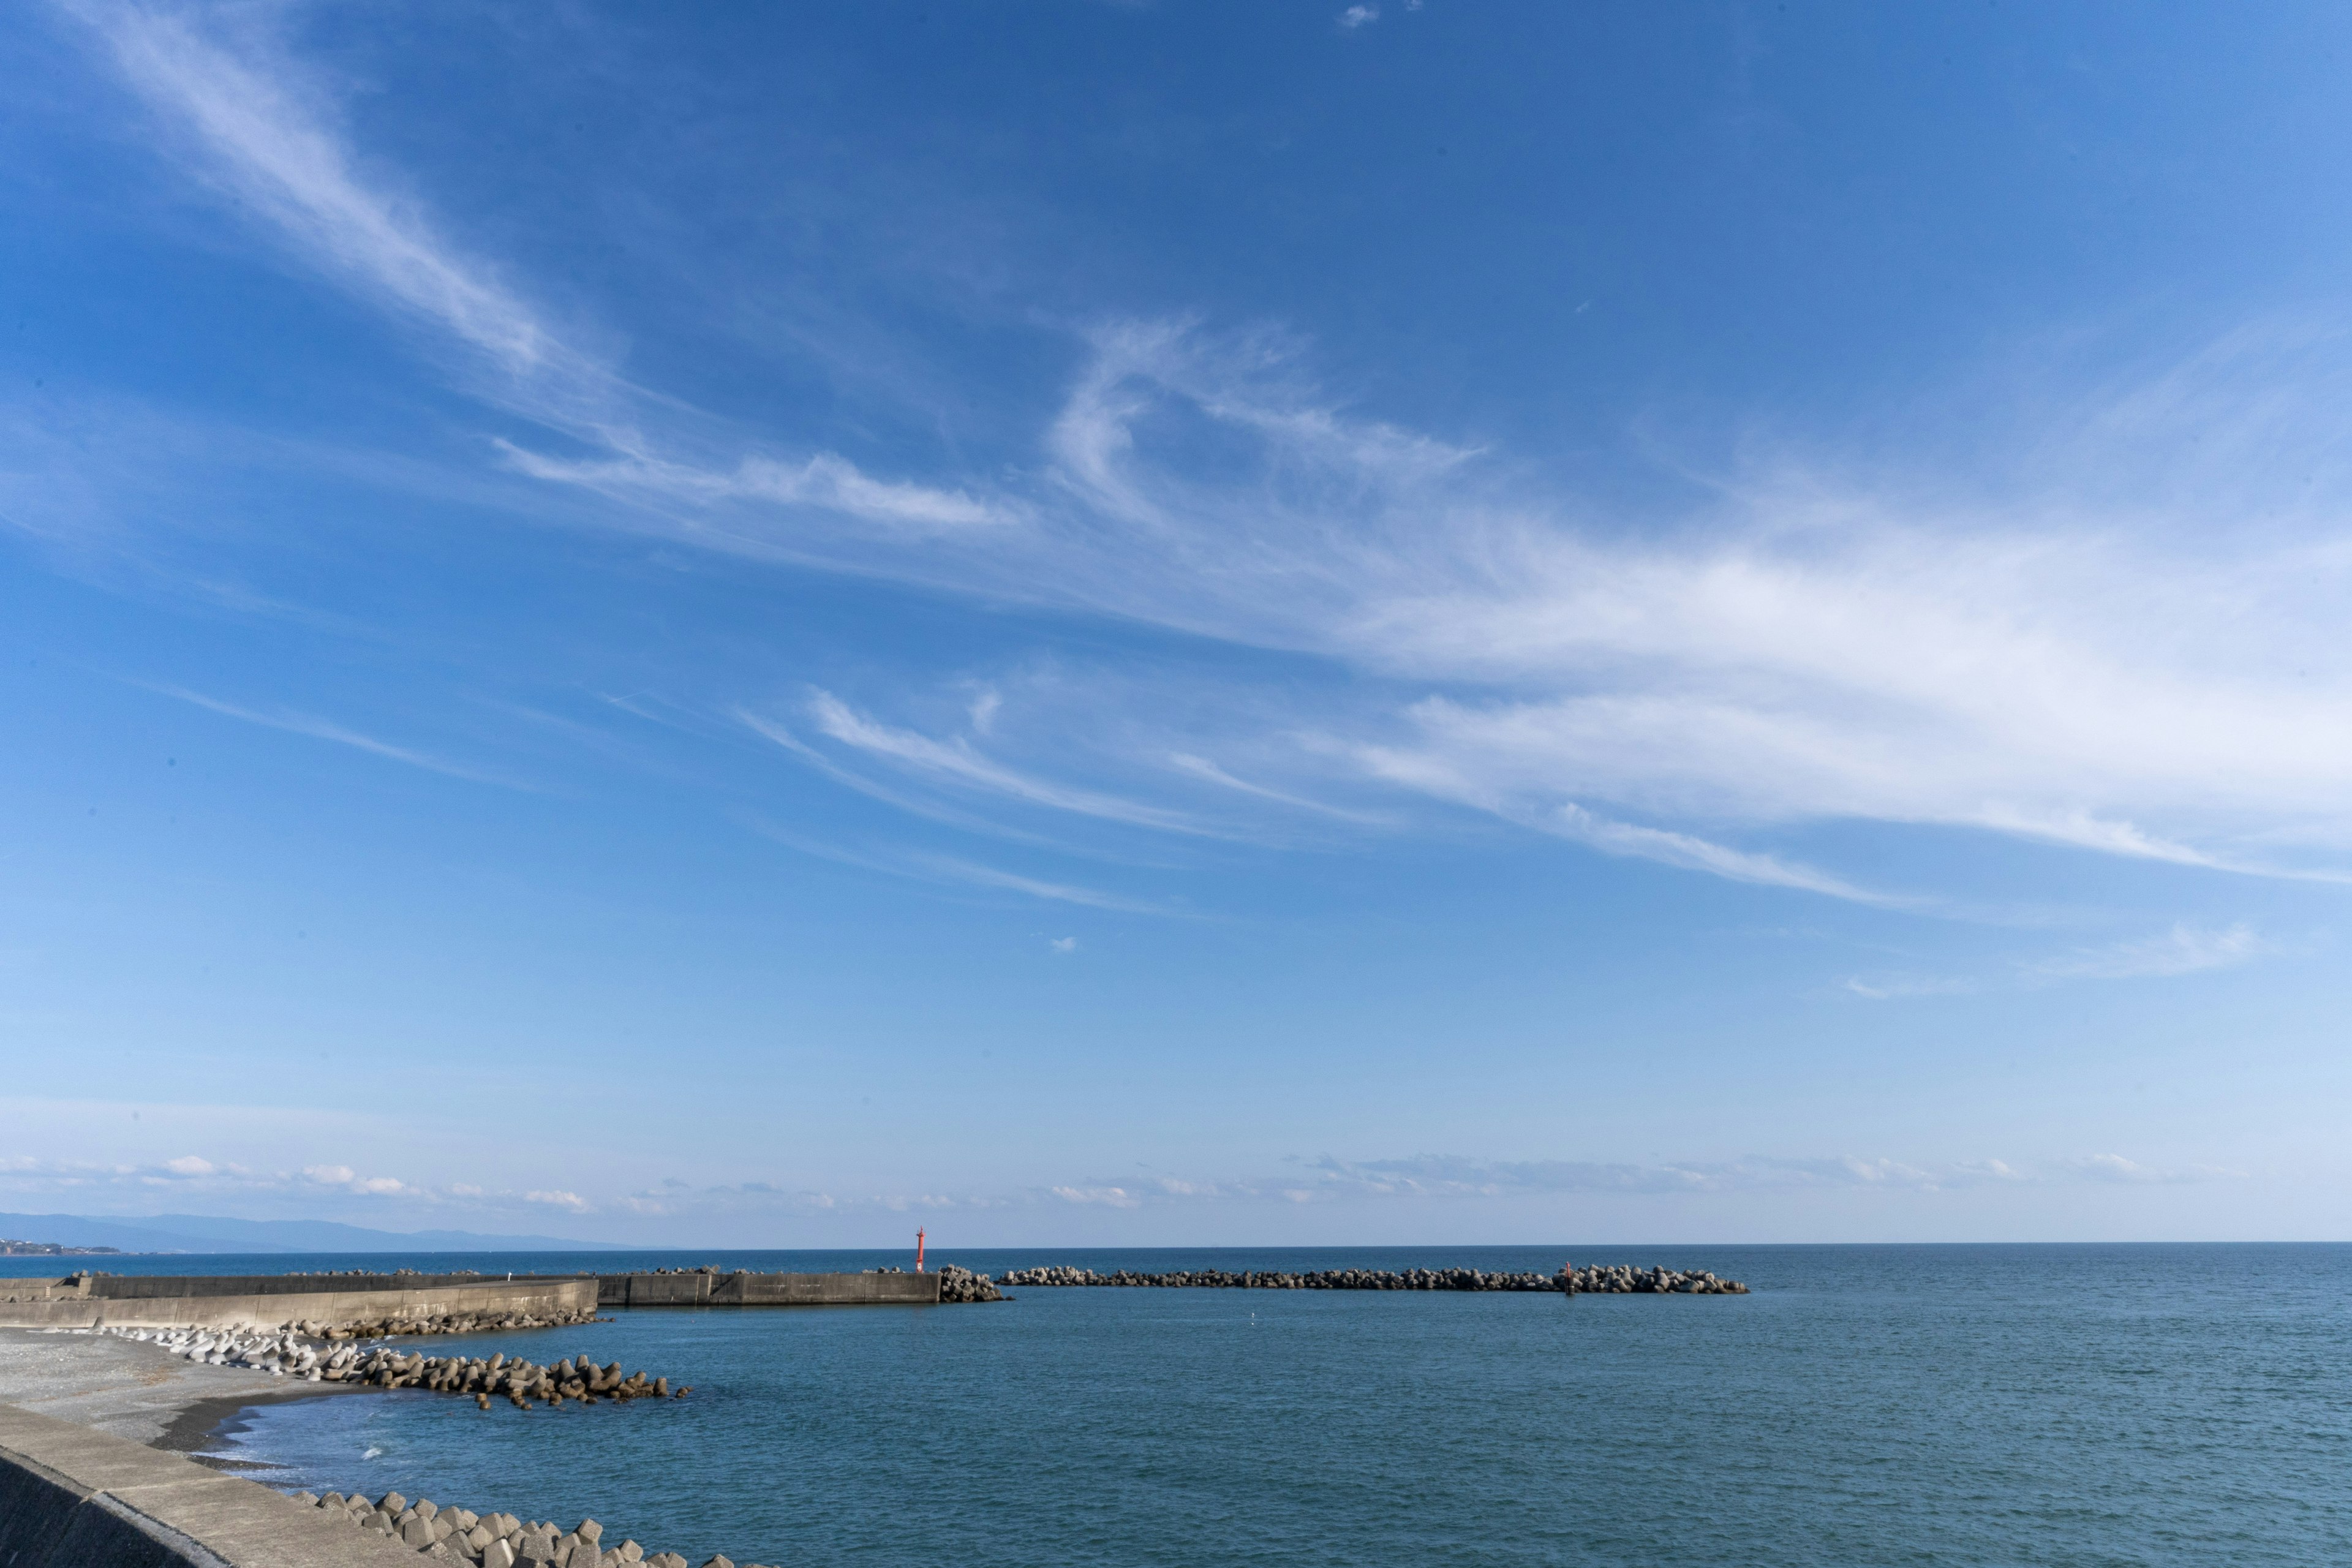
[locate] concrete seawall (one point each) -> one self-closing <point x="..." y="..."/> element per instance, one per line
<point x="161" y="1301"/>
<point x="72" y="1498"/>
<point x="708" y="1290"/>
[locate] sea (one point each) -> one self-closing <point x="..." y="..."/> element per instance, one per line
<point x="1866" y="1405"/>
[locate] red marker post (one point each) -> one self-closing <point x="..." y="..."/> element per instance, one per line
<point x="918" y="1252"/>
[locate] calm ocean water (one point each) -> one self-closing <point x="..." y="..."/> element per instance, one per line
<point x="1867" y="1405"/>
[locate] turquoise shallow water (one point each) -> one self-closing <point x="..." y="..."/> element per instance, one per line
<point x="1867" y="1405"/>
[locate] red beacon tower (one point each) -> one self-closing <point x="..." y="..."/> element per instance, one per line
<point x="918" y="1252"/>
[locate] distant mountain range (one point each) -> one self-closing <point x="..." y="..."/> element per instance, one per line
<point x="211" y="1233"/>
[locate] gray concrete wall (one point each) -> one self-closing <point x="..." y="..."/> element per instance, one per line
<point x="540" y="1296"/>
<point x="766" y="1290"/>
<point x="72" y="1498"/>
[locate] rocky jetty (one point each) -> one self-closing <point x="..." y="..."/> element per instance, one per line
<point x="1602" y="1279"/>
<point x="515" y="1380"/>
<point x="493" y="1540"/>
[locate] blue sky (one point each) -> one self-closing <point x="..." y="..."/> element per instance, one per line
<point x="1177" y="623"/>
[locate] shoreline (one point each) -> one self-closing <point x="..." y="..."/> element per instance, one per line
<point x="129" y="1389"/>
<point x="214" y="1417"/>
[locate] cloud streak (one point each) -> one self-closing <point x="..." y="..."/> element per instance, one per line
<point x="2184" y="950"/>
<point x="317" y="729"/>
<point x="253" y="124"/>
<point x="1813" y="650"/>
<point x="2135" y="667"/>
<point x="263" y="140"/>
<point x="948" y="869"/>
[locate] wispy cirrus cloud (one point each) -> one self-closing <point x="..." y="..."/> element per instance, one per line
<point x="254" y="129"/>
<point x="956" y="761"/>
<point x="250" y="121"/>
<point x="823" y="481"/>
<point x="2183" y="950"/>
<point x="927" y="865"/>
<point x="318" y="729"/>
<point x="2084" y="634"/>
<point x="1810" y="653"/>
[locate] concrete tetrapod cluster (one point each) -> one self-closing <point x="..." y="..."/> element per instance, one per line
<point x="1604" y="1281"/>
<point x="519" y="1381"/>
<point x="1619" y="1279"/>
<point x="962" y="1285"/>
<point x="279" y="1353"/>
<point x="492" y="1540"/>
<point x="458" y="1323"/>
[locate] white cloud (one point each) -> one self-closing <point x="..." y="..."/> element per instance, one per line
<point x="257" y="127"/>
<point x="558" y="1199"/>
<point x="954" y="869"/>
<point x="1699" y="855"/>
<point x="1107" y="1196"/>
<point x="317" y="729"/>
<point x="266" y="140"/>
<point x="1356" y="17"/>
<point x="190" y="1165"/>
<point x="825" y="482"/>
<point x="2183" y="950"/>
<point x="1063" y="943"/>
<point x="963" y="870"/>
<point x="1429" y="1175"/>
<point x="2091" y="632"/>
<point x="1887" y="987"/>
<point x="1813" y="650"/>
<point x="1456" y="1178"/>
<point x="959" y="761"/>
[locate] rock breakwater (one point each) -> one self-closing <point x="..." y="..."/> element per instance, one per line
<point x="492" y="1540"/>
<point x="1601" y="1279"/>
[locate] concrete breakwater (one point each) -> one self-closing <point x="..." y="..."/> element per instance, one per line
<point x="378" y="1306"/>
<point x="711" y="1287"/>
<point x="341" y="1305"/>
<point x="491" y="1539"/>
<point x="1602" y="1279"/>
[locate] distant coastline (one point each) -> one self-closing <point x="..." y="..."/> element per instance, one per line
<point x="53" y="1249"/>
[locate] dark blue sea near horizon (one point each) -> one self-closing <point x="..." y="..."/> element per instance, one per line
<point x="1962" y="1405"/>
